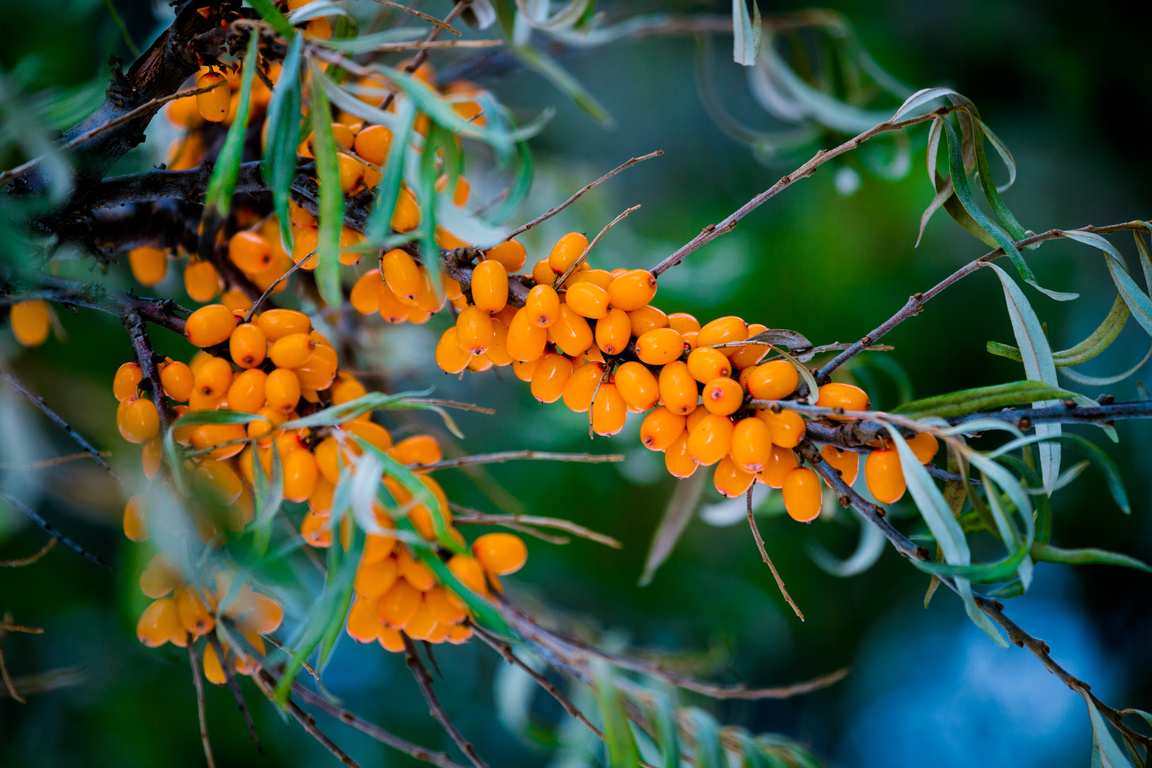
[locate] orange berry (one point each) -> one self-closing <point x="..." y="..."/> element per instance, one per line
<point x="402" y="274"/>
<point x="524" y="370"/>
<point x="351" y="172"/>
<point x="782" y="461"/>
<point x="500" y="553"/>
<point x="213" y="105"/>
<point x="509" y="253"/>
<point x="884" y="476"/>
<point x="647" y="318"/>
<point x="746" y="357"/>
<point x="566" y="251"/>
<point x="282" y="390"/>
<point x="138" y="420"/>
<point x="751" y="444"/>
<point x="250" y="251"/>
<point x="588" y="300"/>
<point x="637" y="386"/>
<point x="548" y="379"/>
<point x="278" y="323"/>
<point x="677" y="460"/>
<point x="444" y="606"/>
<point x="802" y="494"/>
<point x="706" y="364"/>
<point x="846" y="462"/>
<point x="468" y="570"/>
<point x="774" y="380"/>
<point x="601" y="278"/>
<point x="201" y="280"/>
<point x="406" y="214"/>
<point x="474" y="330"/>
<point x="126" y="381"/>
<point x="152" y="456"/>
<point x="236" y="300"/>
<point x="711" y="439"/>
<point x="450" y="356"/>
<point x="149" y="265"/>
<point x="542" y="305"/>
<point x="371" y="432"/>
<point x="210" y="325"/>
<point x="373" y="144"/>
<point x="661" y="428"/>
<point x="730" y="480"/>
<point x="571" y="333"/>
<point x="659" y="346"/>
<point x="135" y="519"/>
<point x="365" y="295"/>
<point x="682" y="323"/>
<point x="417" y="449"/>
<point x="213" y="378"/>
<point x="415" y="572"/>
<point x="300" y="475"/>
<point x="632" y="290"/>
<point x="490" y="286"/>
<point x="397" y="605"/>
<point x="787" y="427"/>
<point x="924" y="446"/>
<point x="613" y="332"/>
<point x="315" y="531"/>
<point x="194" y="614"/>
<point x="542" y="274"/>
<point x="30" y="322"/>
<point x="581" y="386"/>
<point x="222" y="484"/>
<point x="182" y="113"/>
<point x="723" y="396"/>
<point x="846" y="396"/>
<point x="319" y="371"/>
<point x="363" y="624"/>
<point x="291" y="351"/>
<point x="678" y="388"/>
<point x="391" y="640"/>
<point x="375" y="578"/>
<point x="159" y="578"/>
<point x="247" y="345"/>
<point x="498" y="349"/>
<point x="723" y="330"/>
<point x="609" y="410"/>
<point x="223" y="438"/>
<point x="246" y="392"/>
<point x="160" y="623"/>
<point x="304" y="248"/>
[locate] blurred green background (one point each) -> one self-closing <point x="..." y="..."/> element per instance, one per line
<point x="1067" y="90"/>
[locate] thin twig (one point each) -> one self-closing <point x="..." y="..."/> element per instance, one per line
<point x="200" y="707"/>
<point x="48" y="528"/>
<point x="29" y="560"/>
<point x="54" y="417"/>
<point x="503" y="456"/>
<point x="424" y="680"/>
<point x="49" y="463"/>
<point x="422" y="55"/>
<point x="459" y="406"/>
<point x="266" y="682"/>
<point x="480" y="518"/>
<point x="767" y="560"/>
<point x="420" y="15"/>
<point x="559" y="281"/>
<point x="268" y="292"/>
<point x="580" y="193"/>
<point x="234" y="687"/>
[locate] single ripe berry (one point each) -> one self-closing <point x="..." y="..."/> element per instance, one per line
<point x="213" y="105"/>
<point x="224" y="439"/>
<point x="632" y="290"/>
<point x="721" y="331"/>
<point x="30" y="322"/>
<point x="730" y="480"/>
<point x="365" y="294"/>
<point x="550" y="376"/>
<point x="661" y="428"/>
<point x="723" y="396"/>
<point x="248" y="346"/>
<point x="509" y="253"/>
<point x="543" y="305"/>
<point x="250" y="251"/>
<point x="846" y="462"/>
<point x="126" y="381"/>
<point x="581" y="386"/>
<point x="278" y="323"/>
<point x="706" y="364"/>
<point x="406" y="214"/>
<point x="588" y="300"/>
<point x="779" y="464"/>
<point x="474" y="330"/>
<point x="526" y="339"/>
<point x="201" y="280"/>
<point x="246" y="392"/>
<point x="884" y="476"/>
<point x="498" y="349"/>
<point x="304" y="245"/>
<point x="212" y="378"/>
<point x="373" y="144"/>
<point x="450" y="356"/>
<point x="351" y="172"/>
<point x="292" y="351"/>
<point x="402" y="274"/>
<point x="136" y="520"/>
<point x="149" y="265"/>
<point x="282" y="390"/>
<point x="571" y="333"/>
<point x="177" y="379"/>
<point x="152" y="456"/>
<point x="500" y="553"/>
<point x="787" y="427"/>
<point x="802" y="494"/>
<point x="222" y="484"/>
<point x="751" y="444"/>
<point x="601" y="278"/>
<point x="566" y="251"/>
<point x="469" y="572"/>
<point x="399" y="604"/>
<point x="613" y="332"/>
<point x="490" y="286"/>
<point x="711" y="439"/>
<point x="319" y="370"/>
<point x="160" y="623"/>
<point x="924" y="446"/>
<point x="138" y="420"/>
<point x="773" y="380"/>
<point x="647" y="318"/>
<point x="542" y="274"/>
<point x="678" y="389"/>
<point x="608" y="410"/>
<point x="637" y="386"/>
<point x="417" y="449"/>
<point x="659" y="346"/>
<point x="210" y="325"/>
<point x="682" y="323"/>
<point x="846" y="396"/>
<point x="300" y="475"/>
<point x="677" y="460"/>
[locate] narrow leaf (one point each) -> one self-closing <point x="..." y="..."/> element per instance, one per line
<point x="331" y="198"/>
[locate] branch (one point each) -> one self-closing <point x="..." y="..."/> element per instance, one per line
<point x="71" y="293"/>
<point x="200" y="709"/>
<point x="48" y="528"/>
<point x="503" y="456"/>
<point x="30" y="560"/>
<point x="234" y="686"/>
<point x="424" y="680"/>
<point x="465" y="515"/>
<point x="54" y="417"/>
<point x="768" y="560"/>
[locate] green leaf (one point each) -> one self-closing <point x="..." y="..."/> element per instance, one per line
<point x="1090" y="450"/>
<point x="667" y="727"/>
<point x="685" y="499"/>
<point x="271" y="14"/>
<point x="427" y="195"/>
<point x="482" y="611"/>
<point x="622" y="749"/>
<point x="565" y="82"/>
<point x="1138" y="301"/>
<point x="279" y="164"/>
<point x="222" y="183"/>
<point x="331" y="198"/>
<point x="268" y="495"/>
<point x="388" y="191"/>
<point x="346" y="564"/>
<point x="745" y="33"/>
<point x="1049" y="554"/>
<point x="338" y="414"/>
<point x="868" y="551"/>
<point x="1098" y="341"/>
<point x="979" y="399"/>
<point x="369" y="43"/>
<point x="1111" y="756"/>
<point x="706" y="733"/>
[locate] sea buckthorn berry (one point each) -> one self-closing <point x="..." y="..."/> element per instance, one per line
<point x="149" y="265"/>
<point x="884" y="476"/>
<point x="510" y="253"/>
<point x="803" y="496"/>
<point x="365" y="295"/>
<point x="213" y="105"/>
<point x="780" y="463"/>
<point x="301" y="217"/>
<point x="318" y="28"/>
<point x="249" y="251"/>
<point x="723" y="396"/>
<point x="566" y="251"/>
<point x="136" y="520"/>
<point x="160" y="623"/>
<point x="660" y="429"/>
<point x="787" y="427"/>
<point x="30" y="322"/>
<point x="183" y="113"/>
<point x="721" y="331"/>
<point x="637" y="386"/>
<point x="397" y="605"/>
<point x="450" y="356"/>
<point x="706" y="364"/>
<point x="632" y="290"/>
<point x="542" y="274"/>
<point x="328" y="459"/>
<point x="444" y="606"/>
<point x="730" y="480"/>
<point x="417" y="449"/>
<point x="246" y="392"/>
<point x="126" y="381"/>
<point x="351" y="172"/>
<point x="601" y="278"/>
<point x="304" y="245"/>
<point x="415" y="572"/>
<point x="751" y="444"/>
<point x="548" y="379"/>
<point x="682" y="323"/>
<point x="138" y="420"/>
<point x="248" y="346"/>
<point x="375" y="577"/>
<point x="746" y="357"/>
<point x="236" y="300"/>
<point x="526" y="339"/>
<point x="401" y="274"/>
<point x="223" y="484"/>
<point x="609" y="410"/>
<point x="474" y="330"/>
<point x="711" y="439"/>
<point x="421" y="625"/>
<point x="370" y="432"/>
<point x="319" y="370"/>
<point x="846" y="396"/>
<point x="613" y="332"/>
<point x="159" y="578"/>
<point x="282" y="390"/>
<point x="500" y="553"/>
<point x="278" y="323"/>
<point x="846" y="462"/>
<point x="678" y="389"/>
<point x="300" y="475"/>
<point x="201" y="280"/>
<point x="646" y="319"/>
<point x="291" y="351"/>
<point x="346" y="389"/>
<point x="223" y="438"/>
<point x="210" y="325"/>
<point x="213" y="378"/>
<point x="571" y="333"/>
<point x="660" y="346"/>
<point x="524" y="370"/>
<point x="349" y="243"/>
<point x="152" y="456"/>
<point x="315" y="530"/>
<point x="588" y="300"/>
<point x="581" y="386"/>
<point x="924" y="446"/>
<point x="363" y="624"/>
<point x="498" y="349"/>
<point x="773" y="380"/>
<point x="194" y="614"/>
<point x="542" y="305"/>
<point x="406" y="214"/>
<point x="677" y="460"/>
<point x="468" y="570"/>
<point x="490" y="286"/>
<point x="373" y="144"/>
